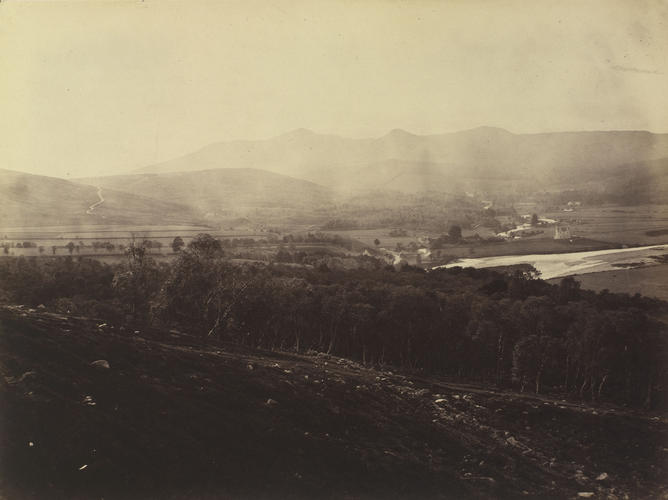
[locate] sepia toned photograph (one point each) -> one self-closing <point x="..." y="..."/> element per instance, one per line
<point x="333" y="249"/>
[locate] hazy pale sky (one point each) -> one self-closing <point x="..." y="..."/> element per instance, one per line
<point x="88" y="87"/>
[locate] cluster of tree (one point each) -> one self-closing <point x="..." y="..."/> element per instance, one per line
<point x="397" y="233"/>
<point x="106" y="245"/>
<point x="152" y="244"/>
<point x="507" y="330"/>
<point x="340" y="224"/>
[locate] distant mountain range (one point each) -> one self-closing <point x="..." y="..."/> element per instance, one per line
<point x="410" y="162"/>
<point x="303" y="174"/>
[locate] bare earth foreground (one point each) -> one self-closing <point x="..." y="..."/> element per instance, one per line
<point x="175" y="417"/>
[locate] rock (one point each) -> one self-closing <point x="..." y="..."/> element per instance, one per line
<point x="441" y="400"/>
<point x="580" y="476"/>
<point x="271" y="402"/>
<point x="250" y="367"/>
<point x="585" y="494"/>
<point x="26" y="375"/>
<point x="88" y="400"/>
<point x="512" y="441"/>
<point x="16" y="380"/>
<point x="101" y="364"/>
<point x="602" y="477"/>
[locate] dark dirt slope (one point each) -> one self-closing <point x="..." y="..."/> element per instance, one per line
<point x="174" y="418"/>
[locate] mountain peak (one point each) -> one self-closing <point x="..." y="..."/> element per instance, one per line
<point x="488" y="130"/>
<point x="398" y="133"/>
<point x="299" y="133"/>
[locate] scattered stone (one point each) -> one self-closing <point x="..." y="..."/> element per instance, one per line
<point x="271" y="402"/>
<point x="250" y="367"/>
<point x="585" y="494"/>
<point x="101" y="325"/>
<point x="28" y="374"/>
<point x="512" y="441"/>
<point x="41" y="306"/>
<point x="83" y="467"/>
<point x="441" y="400"/>
<point x="102" y="364"/>
<point x="602" y="477"/>
<point x="31" y="444"/>
<point x="88" y="400"/>
<point x="579" y="476"/>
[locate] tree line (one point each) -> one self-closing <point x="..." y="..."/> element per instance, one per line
<point x="506" y="330"/>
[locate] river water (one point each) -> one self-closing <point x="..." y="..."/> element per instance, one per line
<point x="557" y="265"/>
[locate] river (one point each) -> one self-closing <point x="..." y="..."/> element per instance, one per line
<point x="557" y="265"/>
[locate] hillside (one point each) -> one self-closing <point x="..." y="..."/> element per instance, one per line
<point x="174" y="416"/>
<point x="484" y="153"/>
<point x="646" y="180"/>
<point x="36" y="200"/>
<point x="219" y="190"/>
<point x="389" y="175"/>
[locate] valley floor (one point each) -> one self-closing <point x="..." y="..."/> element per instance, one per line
<point x="175" y="416"/>
<point x="650" y="281"/>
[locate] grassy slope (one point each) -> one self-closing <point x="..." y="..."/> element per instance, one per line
<point x="175" y="418"/>
<point x="223" y="188"/>
<point x="36" y="200"/>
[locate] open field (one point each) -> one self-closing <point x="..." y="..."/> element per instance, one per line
<point x="83" y="238"/>
<point x="368" y="236"/>
<point x="651" y="281"/>
<point x="618" y="224"/>
<point x="178" y="417"/>
<point x="524" y="246"/>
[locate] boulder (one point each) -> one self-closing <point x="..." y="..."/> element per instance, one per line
<point x="101" y="364"/>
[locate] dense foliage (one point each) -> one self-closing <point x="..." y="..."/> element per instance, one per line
<point x="507" y="330"/>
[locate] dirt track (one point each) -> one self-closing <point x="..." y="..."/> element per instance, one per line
<point x="174" y="417"/>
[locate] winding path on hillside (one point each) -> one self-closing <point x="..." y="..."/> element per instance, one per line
<point x="96" y="204"/>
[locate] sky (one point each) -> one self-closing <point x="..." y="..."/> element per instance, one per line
<point x="90" y="87"/>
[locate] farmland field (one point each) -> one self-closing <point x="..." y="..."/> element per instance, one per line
<point x="618" y="224"/>
<point x="83" y="237"/>
<point x="367" y="236"/>
<point x="651" y="281"/>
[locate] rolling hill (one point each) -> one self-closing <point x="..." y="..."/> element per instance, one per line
<point x="641" y="181"/>
<point x="36" y="200"/>
<point x="218" y="191"/>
